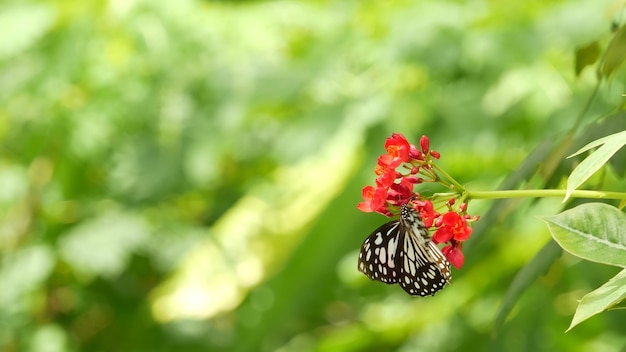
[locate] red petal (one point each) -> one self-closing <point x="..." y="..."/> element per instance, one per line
<point x="424" y="144"/>
<point x="454" y="255"/>
<point x="463" y="234"/>
<point x="442" y="235"/>
<point x="364" y="207"/>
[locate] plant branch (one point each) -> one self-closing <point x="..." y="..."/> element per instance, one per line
<point x="457" y="185"/>
<point x="542" y="193"/>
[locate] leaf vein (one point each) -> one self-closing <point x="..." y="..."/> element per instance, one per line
<point x="604" y="241"/>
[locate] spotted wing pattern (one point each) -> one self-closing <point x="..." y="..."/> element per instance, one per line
<point x="402" y="252"/>
<point x="377" y="259"/>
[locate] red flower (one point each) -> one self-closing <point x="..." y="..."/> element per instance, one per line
<point x="380" y="168"/>
<point x="427" y="212"/>
<point x="400" y="193"/>
<point x="454" y="255"/>
<point x="424" y="144"/>
<point x="397" y="151"/>
<point x="412" y="179"/>
<point x="395" y="188"/>
<point x="415" y="154"/>
<point x="453" y="226"/>
<point x="387" y="179"/>
<point x="374" y="199"/>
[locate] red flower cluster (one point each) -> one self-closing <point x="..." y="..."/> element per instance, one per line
<point x="452" y="227"/>
<point x="394" y="188"/>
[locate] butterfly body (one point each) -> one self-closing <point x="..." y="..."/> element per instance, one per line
<point x="401" y="252"/>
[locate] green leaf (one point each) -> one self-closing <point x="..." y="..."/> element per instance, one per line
<point x="612" y="124"/>
<point x="610" y="145"/>
<point x="592" y="231"/>
<point x="525" y="277"/>
<point x="615" y="136"/>
<point x="601" y="299"/>
<point x="586" y="56"/>
<point x="615" y="53"/>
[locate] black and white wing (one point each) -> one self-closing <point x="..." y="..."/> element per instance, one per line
<point x="424" y="270"/>
<point x="377" y="258"/>
<point x="402" y="252"/>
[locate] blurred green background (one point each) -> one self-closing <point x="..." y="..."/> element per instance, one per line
<point x="183" y="175"/>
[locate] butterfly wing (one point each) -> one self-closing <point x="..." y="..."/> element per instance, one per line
<point x="402" y="252"/>
<point x="377" y="258"/>
<point x="423" y="269"/>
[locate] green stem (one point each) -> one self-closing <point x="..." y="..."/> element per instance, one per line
<point x="539" y="193"/>
<point x="448" y="177"/>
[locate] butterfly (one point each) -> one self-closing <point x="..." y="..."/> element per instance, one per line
<point x="401" y="252"/>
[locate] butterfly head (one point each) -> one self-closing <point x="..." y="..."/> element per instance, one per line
<point x="410" y="218"/>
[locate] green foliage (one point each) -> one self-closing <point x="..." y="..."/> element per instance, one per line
<point x="533" y="270"/>
<point x="586" y="56"/>
<point x="183" y="175"/>
<point x="601" y="299"/>
<point x="615" y="53"/>
<point x="594" y="231"/>
<point x="609" y="146"/>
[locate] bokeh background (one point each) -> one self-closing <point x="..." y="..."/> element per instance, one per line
<point x="183" y="175"/>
